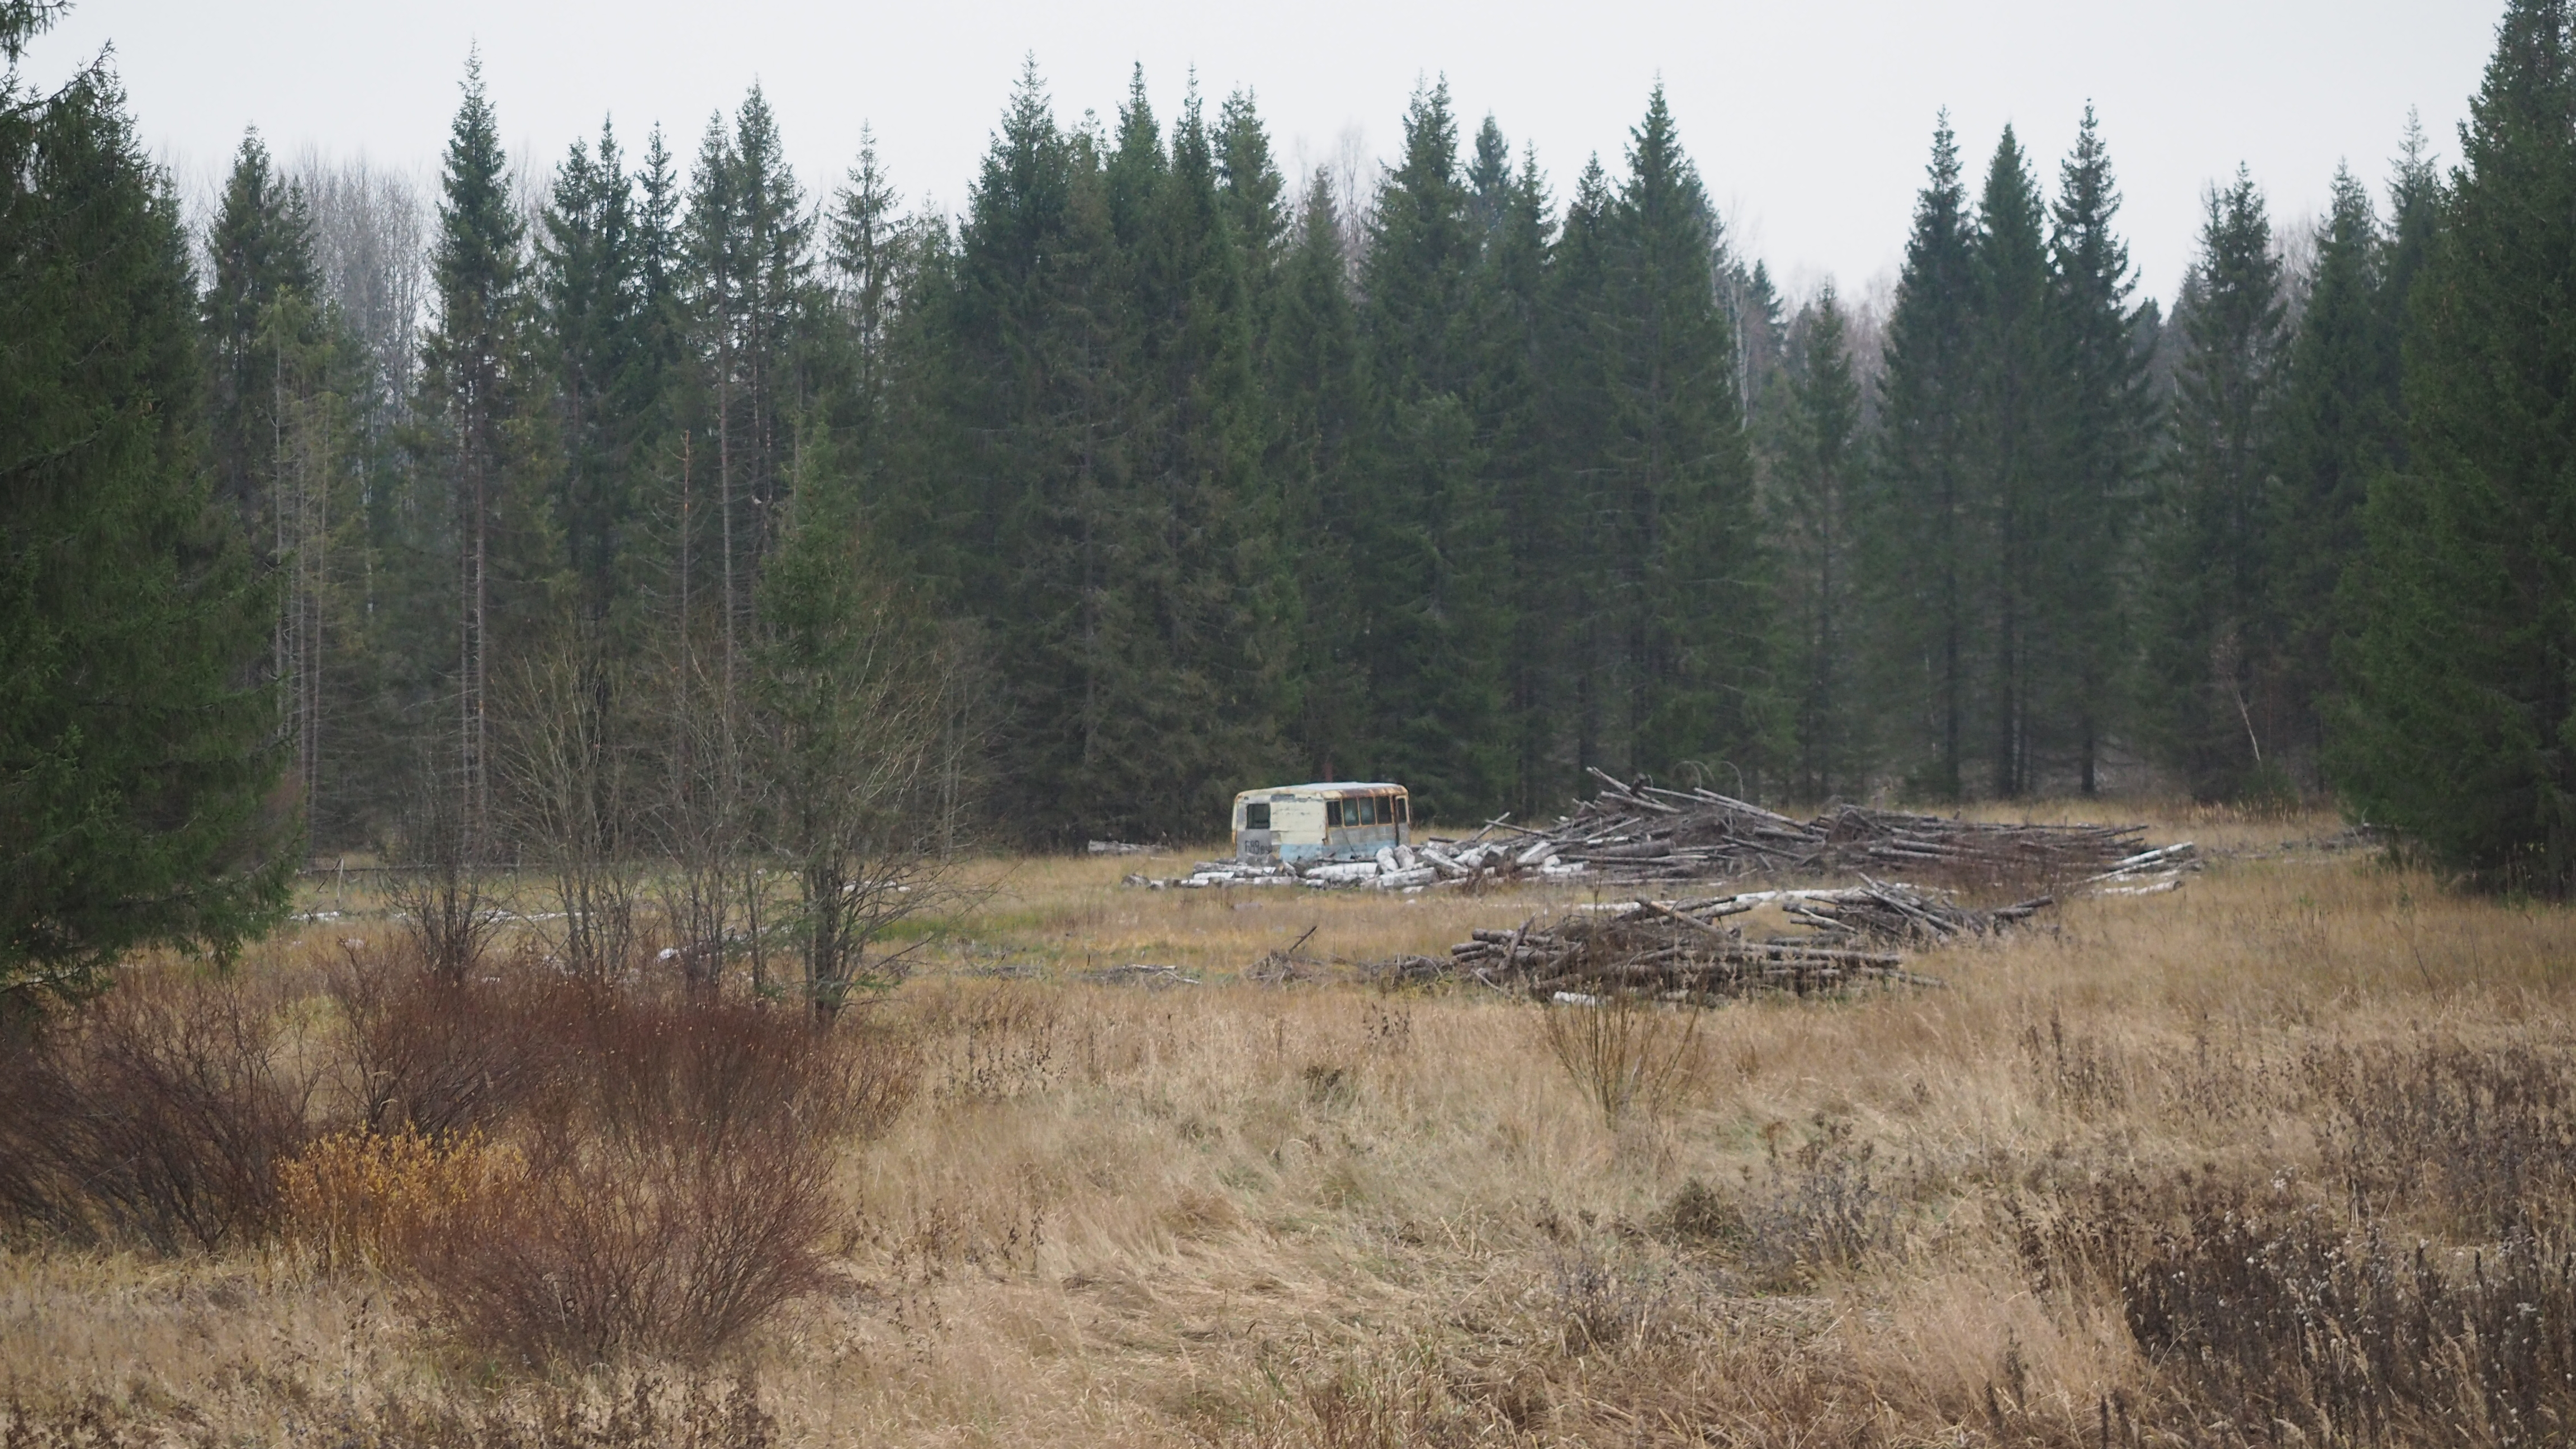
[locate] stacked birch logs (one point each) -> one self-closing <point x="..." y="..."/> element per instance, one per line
<point x="1677" y="950"/>
<point x="1642" y="834"/>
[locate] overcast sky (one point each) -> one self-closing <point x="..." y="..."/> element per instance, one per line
<point x="1810" y="123"/>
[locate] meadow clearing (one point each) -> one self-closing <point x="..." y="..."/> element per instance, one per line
<point x="2285" y="1156"/>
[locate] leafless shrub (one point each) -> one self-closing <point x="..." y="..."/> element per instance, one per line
<point x="159" y="1114"/>
<point x="1822" y="1208"/>
<point x="1602" y="1304"/>
<point x="2478" y="1141"/>
<point x="1625" y="1051"/>
<point x="569" y="770"/>
<point x="862" y="753"/>
<point x="644" y="1409"/>
<point x="441" y="896"/>
<point x="677" y="1182"/>
<point x="437" y="1052"/>
<point x="2291" y="1323"/>
<point x="603" y="1253"/>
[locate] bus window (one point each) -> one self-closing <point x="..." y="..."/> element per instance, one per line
<point x="1257" y="817"/>
<point x="1333" y="813"/>
<point x="1368" y="809"/>
<point x="1403" y="810"/>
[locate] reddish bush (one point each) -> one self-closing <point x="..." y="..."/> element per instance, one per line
<point x="678" y="1159"/>
<point x="159" y="1114"/>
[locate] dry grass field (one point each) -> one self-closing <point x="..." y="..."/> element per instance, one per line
<point x="2285" y="1156"/>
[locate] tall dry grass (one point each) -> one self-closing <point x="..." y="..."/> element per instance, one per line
<point x="2167" y="1169"/>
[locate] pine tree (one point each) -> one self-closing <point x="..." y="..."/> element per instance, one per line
<point x="2459" y="729"/>
<point x="2214" y="651"/>
<point x="2016" y="391"/>
<point x="139" y="731"/>
<point x="1920" y="531"/>
<point x="2081" y="636"/>
<point x="1814" y="524"/>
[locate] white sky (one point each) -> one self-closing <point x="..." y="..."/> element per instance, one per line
<point x="1809" y="122"/>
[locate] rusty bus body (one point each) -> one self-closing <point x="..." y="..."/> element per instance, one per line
<point x="1327" y="820"/>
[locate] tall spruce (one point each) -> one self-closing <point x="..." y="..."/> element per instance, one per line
<point x="2460" y="729"/>
<point x="1700" y="699"/>
<point x="475" y="389"/>
<point x="749" y="273"/>
<point x="2015" y="382"/>
<point x="1429" y="558"/>
<point x="1814" y="524"/>
<point x="1577" y="297"/>
<point x="2101" y="421"/>
<point x="282" y="415"/>
<point x="2339" y="426"/>
<point x="2215" y="648"/>
<point x="139" y="730"/>
<point x="1509" y="401"/>
<point x="590" y="298"/>
<point x="1921" y="533"/>
<point x="1311" y="375"/>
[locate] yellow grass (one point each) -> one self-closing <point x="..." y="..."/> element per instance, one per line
<point x="1236" y="1213"/>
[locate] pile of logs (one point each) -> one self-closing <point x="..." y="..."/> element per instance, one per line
<point x="1676" y="950"/>
<point x="1397" y="868"/>
<point x="1631" y="835"/>
<point x="1641" y="834"/>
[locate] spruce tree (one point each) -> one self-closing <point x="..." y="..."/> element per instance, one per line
<point x="261" y="247"/>
<point x="1576" y="336"/>
<point x="1700" y="694"/>
<point x="2081" y="639"/>
<point x="2338" y="427"/>
<point x="1920" y="531"/>
<point x="2214" y="650"/>
<point x="1430" y="560"/>
<point x="590" y="298"/>
<point x="1509" y="401"/>
<point x="2459" y="728"/>
<point x="2015" y="382"/>
<point x="1311" y="377"/>
<point x="139" y="726"/>
<point x="749" y="289"/>
<point x="283" y="426"/>
<point x="475" y="386"/>
<point x="1814" y="525"/>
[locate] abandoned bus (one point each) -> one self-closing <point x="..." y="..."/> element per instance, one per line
<point x="1333" y="820"/>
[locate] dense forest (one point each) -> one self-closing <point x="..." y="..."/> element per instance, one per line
<point x="660" y="499"/>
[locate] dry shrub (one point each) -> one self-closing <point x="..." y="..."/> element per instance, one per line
<point x="1624" y="1051"/>
<point x="647" y="1409"/>
<point x="2475" y="1141"/>
<point x="2341" y="1338"/>
<point x="367" y="1197"/>
<point x="438" y="1052"/>
<point x="158" y="1114"/>
<point x="677" y="1181"/>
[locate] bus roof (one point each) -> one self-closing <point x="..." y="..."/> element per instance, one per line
<point x="1321" y="785"/>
